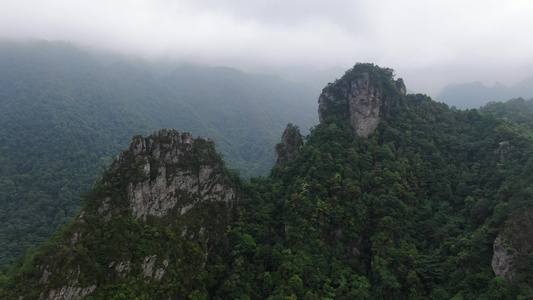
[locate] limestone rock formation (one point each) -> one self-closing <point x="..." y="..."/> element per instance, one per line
<point x="514" y="244"/>
<point x="364" y="95"/>
<point x="166" y="182"/>
<point x="291" y="141"/>
<point x="152" y="220"/>
<point x="503" y="260"/>
<point x="503" y="151"/>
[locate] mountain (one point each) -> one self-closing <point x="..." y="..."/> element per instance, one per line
<point x="66" y="113"/>
<point x="517" y="110"/>
<point x="430" y="203"/>
<point x="62" y="119"/>
<point x="476" y="94"/>
<point x="170" y="187"/>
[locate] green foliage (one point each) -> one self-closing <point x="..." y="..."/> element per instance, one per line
<point x="107" y="247"/>
<point x="64" y="116"/>
<point x="380" y="77"/>
<point x="411" y="212"/>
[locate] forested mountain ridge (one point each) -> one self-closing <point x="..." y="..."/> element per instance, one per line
<point x="161" y="210"/>
<point x="516" y="110"/>
<point x="62" y="120"/>
<point x="433" y="204"/>
<point x="65" y="114"/>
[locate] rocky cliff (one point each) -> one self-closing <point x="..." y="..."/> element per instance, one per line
<point x="513" y="246"/>
<point x="288" y="149"/>
<point x="364" y="96"/>
<point x="148" y="227"/>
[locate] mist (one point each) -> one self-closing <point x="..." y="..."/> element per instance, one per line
<point x="429" y="44"/>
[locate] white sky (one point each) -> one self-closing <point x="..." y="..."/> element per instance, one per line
<point x="430" y="43"/>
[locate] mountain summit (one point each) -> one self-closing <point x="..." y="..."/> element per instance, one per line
<point x="155" y="216"/>
<point x="364" y="95"/>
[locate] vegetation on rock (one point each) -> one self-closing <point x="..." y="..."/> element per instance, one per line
<point x="65" y="114"/>
<point x="410" y="212"/>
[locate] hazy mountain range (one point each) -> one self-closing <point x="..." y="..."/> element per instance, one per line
<point x="476" y="94"/>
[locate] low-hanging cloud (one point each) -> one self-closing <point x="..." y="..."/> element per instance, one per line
<point x="452" y="40"/>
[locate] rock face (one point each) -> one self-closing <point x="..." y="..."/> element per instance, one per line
<point x="288" y="149"/>
<point x="503" y="260"/>
<point x="165" y="180"/>
<point x="153" y="219"/>
<point x="513" y="246"/>
<point x="364" y="95"/>
<point x="503" y="152"/>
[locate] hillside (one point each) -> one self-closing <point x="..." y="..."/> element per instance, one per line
<point x="170" y="187"/>
<point x="65" y="114"/>
<point x="516" y="110"/>
<point x="432" y="203"/>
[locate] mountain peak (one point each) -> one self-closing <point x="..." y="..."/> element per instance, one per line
<point x="154" y="190"/>
<point x="363" y="96"/>
<point x="168" y="191"/>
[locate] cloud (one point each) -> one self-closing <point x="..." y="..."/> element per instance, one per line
<point x="454" y="40"/>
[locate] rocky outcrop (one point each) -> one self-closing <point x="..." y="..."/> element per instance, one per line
<point x="503" y="259"/>
<point x="70" y="292"/>
<point x="165" y="182"/>
<point x="167" y="189"/>
<point x="364" y="96"/>
<point x="503" y="152"/>
<point x="514" y="245"/>
<point x="288" y="149"/>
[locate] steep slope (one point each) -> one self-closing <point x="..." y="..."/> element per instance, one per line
<point x="364" y="98"/>
<point x="435" y="203"/>
<point x="64" y="115"/>
<point x="412" y="211"/>
<point x="149" y="228"/>
<point x="62" y="118"/>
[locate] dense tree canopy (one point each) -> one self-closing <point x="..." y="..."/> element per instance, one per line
<point x="411" y="212"/>
<point x="64" y="116"/>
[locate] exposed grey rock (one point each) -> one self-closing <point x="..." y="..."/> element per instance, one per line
<point x="363" y="102"/>
<point x="159" y="191"/>
<point x="72" y="291"/>
<point x="148" y="265"/>
<point x="503" y="260"/>
<point x="45" y="276"/>
<point x="69" y="293"/>
<point x="122" y="268"/>
<point x="165" y="175"/>
<point x="514" y="243"/>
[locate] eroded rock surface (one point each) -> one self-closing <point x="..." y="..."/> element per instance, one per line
<point x="168" y="185"/>
<point x="362" y="97"/>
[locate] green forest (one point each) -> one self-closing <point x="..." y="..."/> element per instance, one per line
<point x="411" y="212"/>
<point x="65" y="114"/>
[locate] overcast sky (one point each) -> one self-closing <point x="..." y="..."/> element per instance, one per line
<point x="430" y="43"/>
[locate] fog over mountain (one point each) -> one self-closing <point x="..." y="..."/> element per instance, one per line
<point x="432" y="44"/>
<point x="476" y="94"/>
